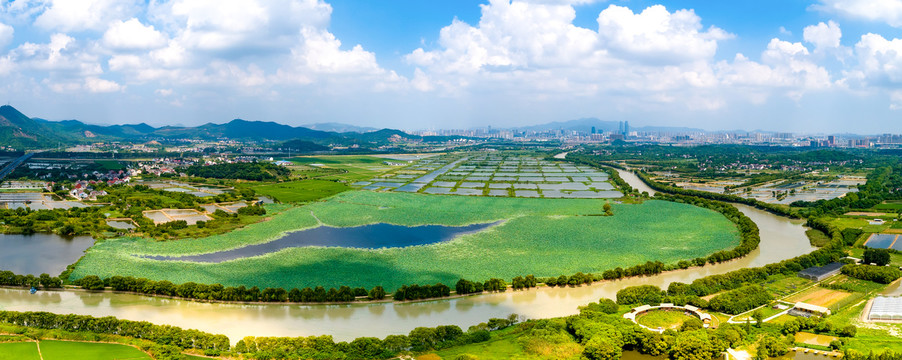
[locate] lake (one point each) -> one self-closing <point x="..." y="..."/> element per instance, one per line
<point x="374" y="236"/>
<point x="41" y="253"/>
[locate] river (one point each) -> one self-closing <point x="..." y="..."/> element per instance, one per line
<point x="781" y="239"/>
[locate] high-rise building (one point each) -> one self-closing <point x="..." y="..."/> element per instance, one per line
<point x="831" y="140"/>
<point x="626" y="128"/>
<point x="593" y="129"/>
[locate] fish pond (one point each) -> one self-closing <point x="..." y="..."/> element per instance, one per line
<point x="375" y="236"/>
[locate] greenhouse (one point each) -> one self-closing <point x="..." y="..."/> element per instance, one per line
<point x="886" y="309"/>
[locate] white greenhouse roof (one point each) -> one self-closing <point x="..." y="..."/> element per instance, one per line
<point x="886" y="308"/>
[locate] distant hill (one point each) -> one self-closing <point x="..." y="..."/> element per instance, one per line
<point x="339" y="127"/>
<point x="300" y="146"/>
<point x="20" y="131"/>
<point x="79" y="130"/>
<point x="586" y="124"/>
<point x="242" y="129"/>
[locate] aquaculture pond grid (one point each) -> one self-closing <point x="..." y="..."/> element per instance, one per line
<point x="496" y="175"/>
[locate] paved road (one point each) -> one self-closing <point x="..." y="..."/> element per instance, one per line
<point x="14" y="164"/>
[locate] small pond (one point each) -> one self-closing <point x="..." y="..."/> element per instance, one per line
<point x="375" y="236"/>
<point x="41" y="253"/>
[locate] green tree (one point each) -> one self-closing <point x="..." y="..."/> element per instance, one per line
<point x="692" y="324"/>
<point x="876" y="256"/>
<point x="377" y="293"/>
<point x="607" y="209"/>
<point x="693" y="345"/>
<point x="90" y="282"/>
<point x="602" y="348"/>
<point x="836" y="344"/>
<point x="422" y="338"/>
<point x="772" y="346"/>
<point x="848" y="331"/>
<point x="758" y="316"/>
<point x="396" y="343"/>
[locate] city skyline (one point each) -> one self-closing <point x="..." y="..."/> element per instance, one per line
<point x="826" y="66"/>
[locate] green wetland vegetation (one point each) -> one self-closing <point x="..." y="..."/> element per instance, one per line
<point x="539" y="237"/>
<point x="545" y="238"/>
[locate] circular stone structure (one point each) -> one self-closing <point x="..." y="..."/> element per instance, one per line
<point x="687" y="309"/>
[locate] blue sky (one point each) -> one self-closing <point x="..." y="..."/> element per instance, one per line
<point x="816" y="66"/>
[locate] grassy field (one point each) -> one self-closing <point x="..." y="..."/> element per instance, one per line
<point x="301" y="191"/>
<point x="19" y="351"/>
<point x="72" y="350"/>
<point x="783" y="285"/>
<point x="855" y="285"/>
<point x="663" y="319"/>
<point x="767" y="311"/>
<point x="848" y="222"/>
<point x="892" y="207"/>
<point x="357" y="167"/>
<point x="817" y="237"/>
<point x="538" y="236"/>
<point x="69" y="350"/>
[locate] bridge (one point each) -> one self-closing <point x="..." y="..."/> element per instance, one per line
<point x="14" y="164"/>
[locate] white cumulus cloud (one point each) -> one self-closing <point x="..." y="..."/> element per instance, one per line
<point x="887" y="11"/>
<point x="823" y="36"/>
<point x="80" y="15"/>
<point x="657" y="35"/>
<point x="6" y="35"/>
<point x="132" y="35"/>
<point x="879" y="60"/>
<point x="98" y="85"/>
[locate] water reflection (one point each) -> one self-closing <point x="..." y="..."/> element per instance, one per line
<point x="41" y="253"/>
<point x="373" y="236"/>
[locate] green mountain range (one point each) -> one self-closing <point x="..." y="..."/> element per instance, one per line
<point x="22" y="132"/>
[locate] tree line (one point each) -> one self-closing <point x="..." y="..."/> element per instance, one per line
<point x="257" y="171"/>
<point x="465" y="287"/>
<point x="8" y="278"/>
<point x="323" y="347"/>
<point x="417" y="292"/>
<point x="218" y="292"/>
<point x="878" y="274"/>
<point x="161" y="334"/>
<point x="313" y="347"/>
